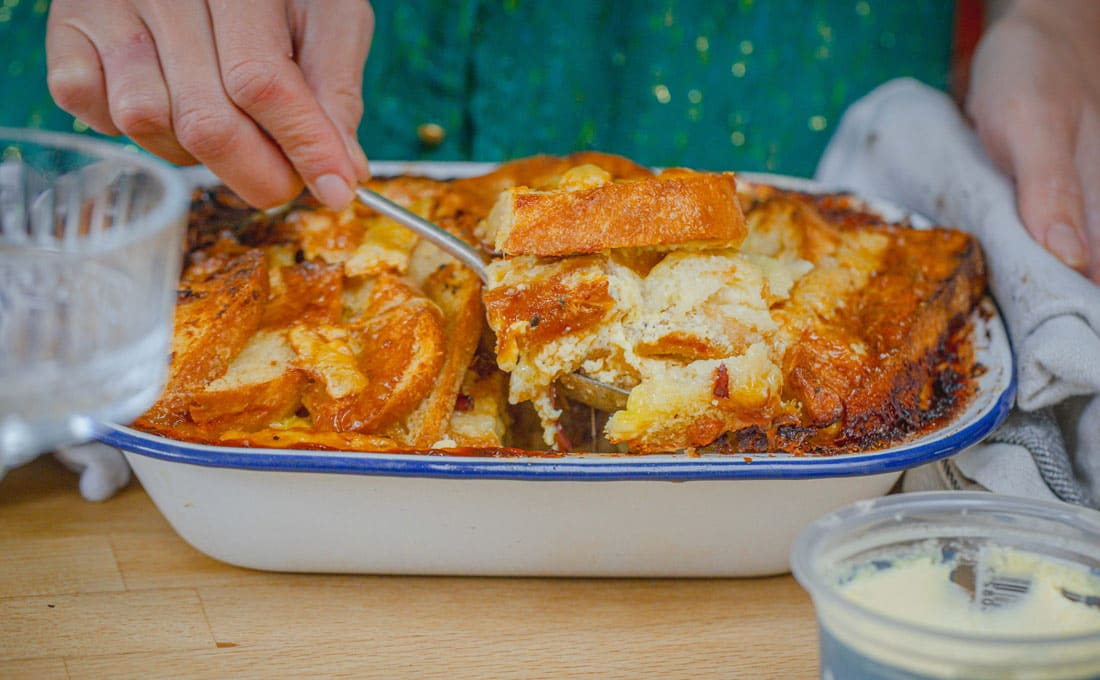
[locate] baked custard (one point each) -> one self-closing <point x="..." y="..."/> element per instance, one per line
<point x="741" y="318"/>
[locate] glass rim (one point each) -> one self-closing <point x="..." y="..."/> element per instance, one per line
<point x="810" y="542"/>
<point x="177" y="190"/>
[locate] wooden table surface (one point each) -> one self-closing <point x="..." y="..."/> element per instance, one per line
<point x="93" y="590"/>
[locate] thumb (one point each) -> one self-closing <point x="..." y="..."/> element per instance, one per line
<point x="334" y="41"/>
<point x="1048" y="191"/>
<point x="1050" y="206"/>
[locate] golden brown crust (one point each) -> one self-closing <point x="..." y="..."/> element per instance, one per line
<point x="863" y="377"/>
<point x="476" y="195"/>
<point x="219" y="306"/>
<point x="457" y="292"/>
<point x="672" y="209"/>
<point x="262" y="385"/>
<point x="251" y="406"/>
<point x="570" y="296"/>
<point x="930" y="282"/>
<point x="307" y="292"/>
<point x="828" y="331"/>
<point x="398" y="354"/>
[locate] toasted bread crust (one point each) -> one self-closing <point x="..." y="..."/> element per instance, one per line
<point x="671" y="209"/>
<point x="398" y="355"/>
<point x="930" y="282"/>
<point x="476" y="195"/>
<point x="826" y="331"/>
<point x="219" y="306"/>
<point x="305" y="292"/>
<point x="262" y="385"/>
<point x="456" y="291"/>
<point x="569" y="296"/>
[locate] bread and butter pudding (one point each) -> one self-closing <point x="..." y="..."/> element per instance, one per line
<point x="740" y="317"/>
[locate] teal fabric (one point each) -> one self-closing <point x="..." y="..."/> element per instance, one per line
<point x="744" y="84"/>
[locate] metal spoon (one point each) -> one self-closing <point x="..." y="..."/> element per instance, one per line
<point x="576" y="386"/>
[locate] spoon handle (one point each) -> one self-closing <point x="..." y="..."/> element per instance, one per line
<point x="446" y="241"/>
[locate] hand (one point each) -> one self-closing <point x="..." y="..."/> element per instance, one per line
<point x="266" y="93"/>
<point x="1035" y="99"/>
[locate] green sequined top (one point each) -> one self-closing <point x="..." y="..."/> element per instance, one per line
<point x="742" y="84"/>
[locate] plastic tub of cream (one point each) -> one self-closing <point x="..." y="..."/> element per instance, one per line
<point x="954" y="585"/>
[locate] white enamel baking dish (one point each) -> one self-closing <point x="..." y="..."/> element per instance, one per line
<point x="580" y="515"/>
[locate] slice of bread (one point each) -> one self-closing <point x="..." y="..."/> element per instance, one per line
<point x="306" y="292"/>
<point x="456" y="291"/>
<point x="590" y="214"/>
<point x="476" y="195"/>
<point x="370" y="375"/>
<point x="261" y="386"/>
<point x="219" y="305"/>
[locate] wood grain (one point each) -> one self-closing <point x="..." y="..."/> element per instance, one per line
<point x="70" y="625"/>
<point x="131" y="599"/>
<point x="40" y="565"/>
<point x="34" y="669"/>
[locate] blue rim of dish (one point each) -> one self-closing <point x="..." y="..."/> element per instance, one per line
<point x="584" y="467"/>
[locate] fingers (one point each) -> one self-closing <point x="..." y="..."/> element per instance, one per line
<point x="1050" y="200"/>
<point x="1028" y="105"/>
<point x="1088" y="169"/>
<point x="206" y="123"/>
<point x="220" y="87"/>
<point x="125" y="92"/>
<point x="334" y="42"/>
<point x="75" y="73"/>
<point x="257" y="65"/>
<point x="137" y="95"/>
<point x="1036" y="145"/>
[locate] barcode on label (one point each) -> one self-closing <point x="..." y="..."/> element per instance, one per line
<point x="1002" y="590"/>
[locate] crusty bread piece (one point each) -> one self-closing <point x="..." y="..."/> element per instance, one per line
<point x="262" y="385"/>
<point x="306" y="292"/>
<point x="219" y="305"/>
<point x="673" y="209"/>
<point x="457" y="292"/>
<point x="370" y="375"/>
<point x="871" y="375"/>
<point x="476" y="195"/>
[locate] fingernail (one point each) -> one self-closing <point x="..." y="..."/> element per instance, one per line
<point x="333" y="191"/>
<point x="1066" y="244"/>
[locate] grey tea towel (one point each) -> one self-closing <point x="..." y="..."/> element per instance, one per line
<point x="908" y="143"/>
